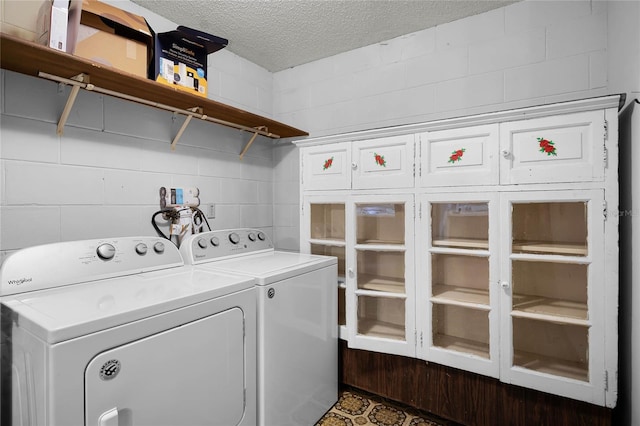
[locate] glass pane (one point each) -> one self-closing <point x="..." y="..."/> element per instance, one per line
<point x="381" y="271"/>
<point x="381" y="317"/>
<point x="338" y="252"/>
<point x="380" y="223"/>
<point x="558" y="349"/>
<point x="547" y="288"/>
<point x="461" y="278"/>
<point x="327" y="221"/>
<point x="462" y="225"/>
<point x="461" y="329"/>
<point x="550" y="228"/>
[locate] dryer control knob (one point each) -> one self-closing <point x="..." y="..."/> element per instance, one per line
<point x="106" y="251"/>
<point x="141" y="249"/>
<point x="252" y="236"/>
<point x="215" y="241"/>
<point x="234" y="238"/>
<point x="202" y="243"/>
<point x="261" y="236"/>
<point x="158" y="247"/>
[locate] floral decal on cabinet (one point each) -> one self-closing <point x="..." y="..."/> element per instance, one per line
<point x="456" y="155"/>
<point x="547" y="146"/>
<point x="380" y="161"/>
<point x="328" y="163"/>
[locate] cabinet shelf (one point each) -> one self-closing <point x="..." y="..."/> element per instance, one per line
<point x="381" y="329"/>
<point x="461" y="243"/>
<point x="334" y="242"/>
<point x="461" y="296"/>
<point x="547" y="309"/>
<point x="551" y="365"/>
<point x="30" y="58"/>
<point x="458" y="344"/>
<point x="378" y="283"/>
<point x="549" y="248"/>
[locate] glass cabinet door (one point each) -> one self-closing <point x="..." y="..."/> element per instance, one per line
<point x="327" y="237"/>
<point x="554" y="251"/>
<point x="380" y="279"/>
<point x="458" y="313"/>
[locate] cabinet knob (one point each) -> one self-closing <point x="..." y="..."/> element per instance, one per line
<point x="354" y="166"/>
<point x="504" y="284"/>
<point x="506" y="153"/>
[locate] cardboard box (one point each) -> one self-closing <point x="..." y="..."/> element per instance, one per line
<point x="113" y="37"/>
<point x="180" y="59"/>
<point x="51" y="27"/>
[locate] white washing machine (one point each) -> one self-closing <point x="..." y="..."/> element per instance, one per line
<point x="297" y="321"/>
<point x="119" y="332"/>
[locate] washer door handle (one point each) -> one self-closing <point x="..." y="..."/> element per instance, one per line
<point x="109" y="418"/>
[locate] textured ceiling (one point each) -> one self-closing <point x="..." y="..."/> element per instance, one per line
<point x="280" y="34"/>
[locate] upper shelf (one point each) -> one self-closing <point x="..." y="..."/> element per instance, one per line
<point x="30" y="58"/>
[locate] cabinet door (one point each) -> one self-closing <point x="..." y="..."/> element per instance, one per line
<point x="457" y="306"/>
<point x="567" y="148"/>
<point x="465" y="156"/>
<point x="383" y="163"/>
<point x="380" y="282"/>
<point x="326" y="166"/>
<point x="553" y="292"/>
<point x="323" y="232"/>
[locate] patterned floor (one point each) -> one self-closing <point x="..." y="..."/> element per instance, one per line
<point x="357" y="408"/>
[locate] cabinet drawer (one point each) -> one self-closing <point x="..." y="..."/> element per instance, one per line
<point x="466" y="156"/>
<point x="327" y="167"/>
<point x="553" y="149"/>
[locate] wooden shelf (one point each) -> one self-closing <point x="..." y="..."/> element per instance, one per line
<point x="333" y="242"/>
<point x="458" y="344"/>
<point x="31" y="59"/>
<point x="378" y="283"/>
<point x="385" y="330"/>
<point x="547" y="309"/>
<point x="469" y="243"/>
<point x="545" y="247"/>
<point x="461" y="296"/>
<point x="550" y="365"/>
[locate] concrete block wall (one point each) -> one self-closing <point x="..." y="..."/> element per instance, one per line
<point x="101" y="178"/>
<point x="528" y="53"/>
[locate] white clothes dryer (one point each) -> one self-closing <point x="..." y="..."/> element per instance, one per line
<point x="119" y="332"/>
<point x="297" y="321"/>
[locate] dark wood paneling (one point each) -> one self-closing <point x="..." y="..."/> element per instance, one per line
<point x="466" y="398"/>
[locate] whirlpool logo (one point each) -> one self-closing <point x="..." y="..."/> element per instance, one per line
<point x="20" y="281"/>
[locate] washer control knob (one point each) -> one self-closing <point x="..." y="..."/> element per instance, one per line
<point x="202" y="243"/>
<point x="158" y="247"/>
<point x="106" y="251"/>
<point x="261" y="236"/>
<point x="141" y="249"/>
<point x="215" y="241"/>
<point x="234" y="238"/>
<point x="252" y="236"/>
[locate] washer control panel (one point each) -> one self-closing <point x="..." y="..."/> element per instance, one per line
<point x="58" y="264"/>
<point x="214" y="245"/>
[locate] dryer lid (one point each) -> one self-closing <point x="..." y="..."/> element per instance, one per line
<point x="63" y="313"/>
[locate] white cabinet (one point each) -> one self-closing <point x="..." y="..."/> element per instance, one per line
<point x="376" y="163"/>
<point x="372" y="237"/>
<point x="508" y="264"/>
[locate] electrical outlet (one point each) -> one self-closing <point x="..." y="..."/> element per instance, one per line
<point x="211" y="211"/>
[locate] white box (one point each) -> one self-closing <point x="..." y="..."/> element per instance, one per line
<point x="52" y="24"/>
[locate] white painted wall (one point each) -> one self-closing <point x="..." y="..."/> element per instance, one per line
<point x="101" y="178"/>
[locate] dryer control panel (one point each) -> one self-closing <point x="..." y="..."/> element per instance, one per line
<point x="72" y="262"/>
<point x="216" y="245"/>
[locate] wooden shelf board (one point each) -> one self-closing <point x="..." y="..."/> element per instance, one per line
<point x="556" y="309"/>
<point x="334" y="242"/>
<point x="550" y="365"/>
<point x="472" y="297"/>
<point x="458" y="344"/>
<point x="378" y="283"/>
<point x="461" y="242"/>
<point x="549" y="248"/>
<point x="30" y="58"/>
<point x="386" y="330"/>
